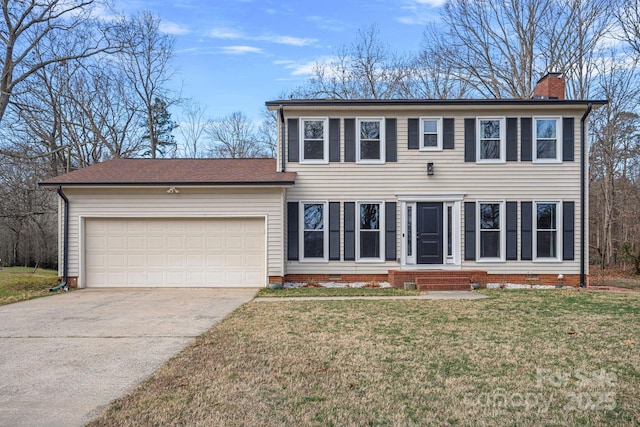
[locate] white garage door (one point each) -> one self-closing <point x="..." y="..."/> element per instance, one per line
<point x="149" y="252"/>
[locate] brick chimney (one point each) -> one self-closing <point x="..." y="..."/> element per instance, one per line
<point x="550" y="86"/>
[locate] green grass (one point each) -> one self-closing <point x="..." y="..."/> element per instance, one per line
<point x="521" y="358"/>
<point x="334" y="292"/>
<point x="23" y="283"/>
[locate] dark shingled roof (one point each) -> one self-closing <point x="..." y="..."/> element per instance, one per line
<point x="177" y="171"/>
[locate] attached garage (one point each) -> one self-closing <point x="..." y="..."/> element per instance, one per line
<point x="172" y="223"/>
<point x="174" y="252"/>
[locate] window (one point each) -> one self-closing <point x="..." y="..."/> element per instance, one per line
<point x="370" y="238"/>
<point x="314" y="231"/>
<point x="431" y="131"/>
<point x="547" y="143"/>
<point x="491" y="140"/>
<point x="547" y="230"/>
<point x="370" y="145"/>
<point x="491" y="225"/>
<point x="314" y="140"/>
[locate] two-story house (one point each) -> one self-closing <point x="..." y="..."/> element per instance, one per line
<point x="442" y="193"/>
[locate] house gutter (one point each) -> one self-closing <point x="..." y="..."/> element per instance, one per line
<point x="281" y="108"/>
<point x="583" y="183"/>
<point x="65" y="257"/>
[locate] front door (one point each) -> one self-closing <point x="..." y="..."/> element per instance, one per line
<point x="429" y="233"/>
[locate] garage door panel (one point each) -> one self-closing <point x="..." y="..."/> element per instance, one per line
<point x="174" y="252"/>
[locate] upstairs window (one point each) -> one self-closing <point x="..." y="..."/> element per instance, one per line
<point x="431" y="131"/>
<point x="370" y="144"/>
<point x="491" y="140"/>
<point x="547" y="143"/>
<point x="314" y="140"/>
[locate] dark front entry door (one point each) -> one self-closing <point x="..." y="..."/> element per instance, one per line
<point x="429" y="239"/>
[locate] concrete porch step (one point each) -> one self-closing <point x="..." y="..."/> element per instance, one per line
<point x="445" y="287"/>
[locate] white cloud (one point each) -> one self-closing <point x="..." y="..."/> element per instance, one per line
<point x="303" y="68"/>
<point x="240" y="50"/>
<point x="225" y="33"/>
<point x="432" y="3"/>
<point x="230" y="33"/>
<point x="326" y="23"/>
<point x="288" y="40"/>
<point x="169" y="27"/>
<point x="420" y="12"/>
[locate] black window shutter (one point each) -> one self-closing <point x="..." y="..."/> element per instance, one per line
<point x="526" y="231"/>
<point x="448" y="142"/>
<point x="391" y="140"/>
<point x="413" y="141"/>
<point x="334" y="230"/>
<point x="526" y="143"/>
<point x="568" y="231"/>
<point x="512" y="139"/>
<point x="567" y="140"/>
<point x="469" y="230"/>
<point x="292" y="230"/>
<point x="390" y="231"/>
<point x="334" y="140"/>
<point x="293" y="141"/>
<point x="512" y="230"/>
<point x="349" y="140"/>
<point x="349" y="231"/>
<point x="470" y="141"/>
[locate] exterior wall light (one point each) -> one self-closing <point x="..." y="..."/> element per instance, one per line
<point x="430" y="169"/>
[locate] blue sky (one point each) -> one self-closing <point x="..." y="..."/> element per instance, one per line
<point x="234" y="55"/>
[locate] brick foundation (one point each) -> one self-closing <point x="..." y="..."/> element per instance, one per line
<point x="435" y="279"/>
<point x="338" y="278"/>
<point x="72" y="282"/>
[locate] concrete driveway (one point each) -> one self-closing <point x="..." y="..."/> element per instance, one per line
<point x="64" y="357"/>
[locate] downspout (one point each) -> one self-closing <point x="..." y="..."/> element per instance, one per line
<point x="282" y="136"/>
<point x="583" y="180"/>
<point x="65" y="245"/>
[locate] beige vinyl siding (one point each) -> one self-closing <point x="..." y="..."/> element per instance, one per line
<point x="191" y="202"/>
<point x="509" y="181"/>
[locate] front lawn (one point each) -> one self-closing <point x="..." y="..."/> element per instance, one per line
<point x="525" y="358"/>
<point x="23" y="283"/>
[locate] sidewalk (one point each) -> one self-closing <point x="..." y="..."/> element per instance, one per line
<point x="429" y="295"/>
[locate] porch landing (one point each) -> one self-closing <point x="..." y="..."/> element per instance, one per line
<point x="438" y="280"/>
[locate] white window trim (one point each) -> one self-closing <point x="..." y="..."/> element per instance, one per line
<point x="558" y="158"/>
<point x="559" y="231"/>
<point x="503" y="140"/>
<point x="325" y="136"/>
<point x="325" y="230"/>
<point x="381" y="230"/>
<point x="382" y="140"/>
<point x="438" y="130"/>
<point x="503" y="233"/>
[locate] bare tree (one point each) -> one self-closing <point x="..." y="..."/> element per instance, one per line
<point x="192" y="128"/>
<point x="268" y="131"/>
<point x="146" y="61"/>
<point x="365" y="69"/>
<point x="432" y="74"/>
<point x="614" y="153"/>
<point x="234" y="136"/>
<point x="504" y="47"/>
<point x="30" y="31"/>
<point x="628" y="16"/>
